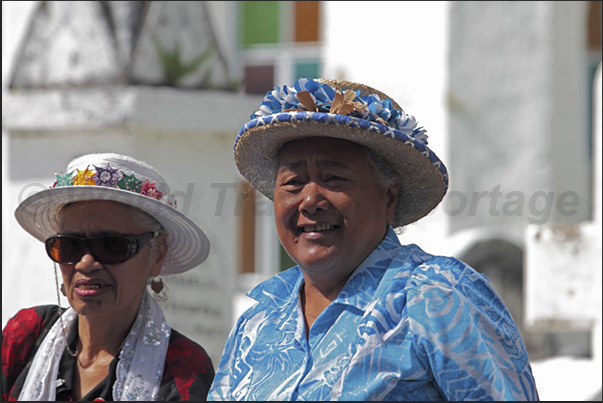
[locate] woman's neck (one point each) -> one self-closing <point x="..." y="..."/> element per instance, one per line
<point x="318" y="293"/>
<point x="102" y="335"/>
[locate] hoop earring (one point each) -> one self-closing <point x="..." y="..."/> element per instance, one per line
<point x="157" y="285"/>
<point x="160" y="289"/>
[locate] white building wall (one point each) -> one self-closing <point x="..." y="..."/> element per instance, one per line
<point x="518" y="114"/>
<point x="563" y="288"/>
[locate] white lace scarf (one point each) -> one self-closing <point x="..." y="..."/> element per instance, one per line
<point x="141" y="360"/>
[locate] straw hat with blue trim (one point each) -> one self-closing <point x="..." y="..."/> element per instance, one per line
<point x="122" y="179"/>
<point x="349" y="111"/>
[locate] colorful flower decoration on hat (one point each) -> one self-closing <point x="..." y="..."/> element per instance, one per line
<point x="129" y="182"/>
<point x="312" y="96"/>
<point x="113" y="178"/>
<point x="107" y="177"/>
<point x="63" y="179"/>
<point x="148" y="189"/>
<point x="84" y="177"/>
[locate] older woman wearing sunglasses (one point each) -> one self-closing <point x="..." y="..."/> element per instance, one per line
<point x="111" y="226"/>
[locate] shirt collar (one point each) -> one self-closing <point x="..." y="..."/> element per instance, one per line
<point x="362" y="284"/>
<point x="279" y="290"/>
<point x="283" y="289"/>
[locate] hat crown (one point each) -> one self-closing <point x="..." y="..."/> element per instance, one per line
<point x="116" y="171"/>
<point x="123" y="163"/>
<point x="342" y="98"/>
<point x="364" y="89"/>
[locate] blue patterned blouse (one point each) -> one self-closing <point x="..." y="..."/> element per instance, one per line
<point x="406" y="326"/>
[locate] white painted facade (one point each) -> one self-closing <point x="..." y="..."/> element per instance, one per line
<point x="519" y="113"/>
<point x="563" y="286"/>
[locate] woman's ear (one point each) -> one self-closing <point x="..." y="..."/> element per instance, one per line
<point x="159" y="254"/>
<point x="392" y="199"/>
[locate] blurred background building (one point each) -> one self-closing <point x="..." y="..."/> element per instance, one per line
<point x="509" y="92"/>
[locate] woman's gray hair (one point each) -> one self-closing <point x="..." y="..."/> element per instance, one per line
<point x="385" y="173"/>
<point x="386" y="176"/>
<point x="148" y="221"/>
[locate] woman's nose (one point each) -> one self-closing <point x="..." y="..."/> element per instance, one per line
<point x="313" y="199"/>
<point x="87" y="263"/>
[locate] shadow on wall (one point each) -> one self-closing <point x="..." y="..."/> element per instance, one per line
<point x="502" y="262"/>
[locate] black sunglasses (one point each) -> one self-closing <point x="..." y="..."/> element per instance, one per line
<point x="107" y="249"/>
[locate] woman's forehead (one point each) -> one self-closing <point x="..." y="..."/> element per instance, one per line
<point x="329" y="151"/>
<point x="104" y="214"/>
<point x="94" y="205"/>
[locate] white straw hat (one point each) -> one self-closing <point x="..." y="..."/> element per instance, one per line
<point x="349" y="111"/>
<point x="125" y="180"/>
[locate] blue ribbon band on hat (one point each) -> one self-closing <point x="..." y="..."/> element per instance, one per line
<point x="312" y="96"/>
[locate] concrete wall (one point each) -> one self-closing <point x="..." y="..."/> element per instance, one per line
<point x="563" y="287"/>
<point x="518" y="106"/>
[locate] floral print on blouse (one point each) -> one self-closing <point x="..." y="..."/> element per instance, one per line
<point x="406" y="326"/>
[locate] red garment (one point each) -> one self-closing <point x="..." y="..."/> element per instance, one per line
<point x="187" y="375"/>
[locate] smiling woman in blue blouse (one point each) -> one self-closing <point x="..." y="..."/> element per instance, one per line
<point x="360" y="317"/>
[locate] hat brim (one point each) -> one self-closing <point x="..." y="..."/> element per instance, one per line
<point x="188" y="246"/>
<point x="424" y="177"/>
